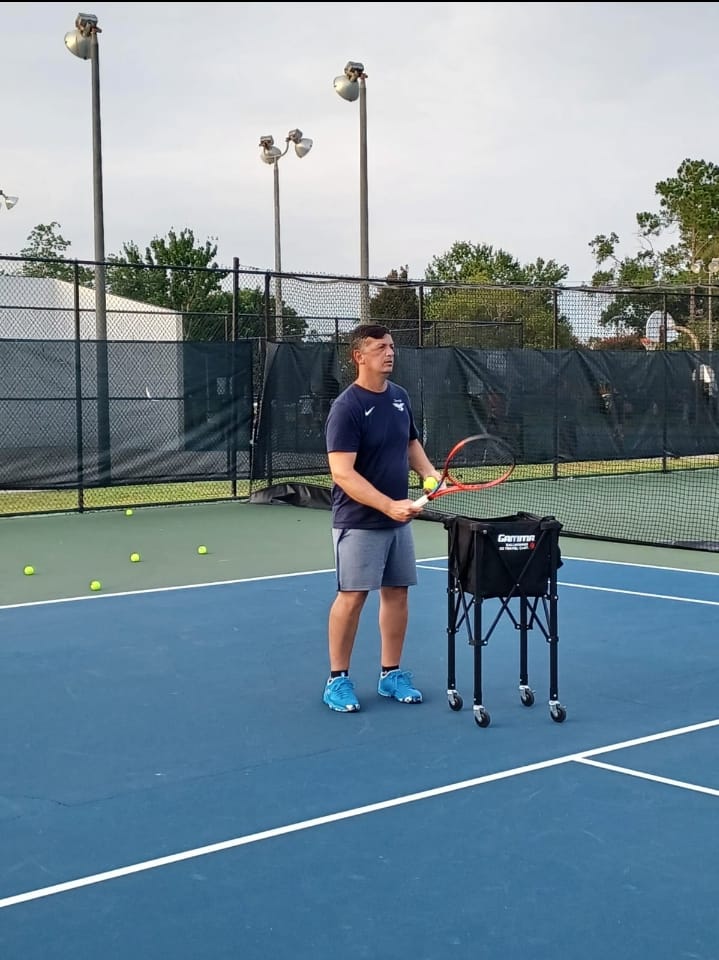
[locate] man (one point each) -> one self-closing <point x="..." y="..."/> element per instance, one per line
<point x="372" y="442"/>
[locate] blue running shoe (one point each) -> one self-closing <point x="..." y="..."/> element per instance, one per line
<point x="398" y="685"/>
<point x="340" y="695"/>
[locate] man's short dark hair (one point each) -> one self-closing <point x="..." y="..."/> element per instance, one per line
<point x="366" y="331"/>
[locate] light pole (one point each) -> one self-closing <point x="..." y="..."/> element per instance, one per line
<point x="82" y="42"/>
<point x="712" y="270"/>
<point x="350" y="86"/>
<point x="271" y="154"/>
<point x="8" y="201"/>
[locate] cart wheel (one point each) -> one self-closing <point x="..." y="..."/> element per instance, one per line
<point x="558" y="713"/>
<point x="481" y="717"/>
<point x="455" y="701"/>
<point x="526" y="695"/>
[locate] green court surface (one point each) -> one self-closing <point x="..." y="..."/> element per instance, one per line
<point x="243" y="540"/>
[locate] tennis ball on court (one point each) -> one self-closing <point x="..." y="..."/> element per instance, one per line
<point x="129" y="512"/>
<point x="135" y="557"/>
<point x="95" y="585"/>
<point x="202" y="550"/>
<point x="28" y="571"/>
<point x="430" y="485"/>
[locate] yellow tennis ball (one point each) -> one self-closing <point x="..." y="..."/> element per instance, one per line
<point x="202" y="550"/>
<point x="129" y="512"/>
<point x="28" y="571"/>
<point x="135" y="557"/>
<point x="95" y="585"/>
<point x="430" y="485"/>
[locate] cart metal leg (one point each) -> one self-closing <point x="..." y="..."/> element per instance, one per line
<point x="453" y="605"/>
<point x="556" y="711"/>
<point x="481" y="714"/>
<point x="526" y="694"/>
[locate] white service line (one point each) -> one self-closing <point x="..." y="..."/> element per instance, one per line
<point x="170" y="859"/>
<point x="648" y="776"/>
<point x="425" y="564"/>
<point x="638" y="593"/>
<point x="629" y="593"/>
<point x="643" y="566"/>
<point x="174" y="587"/>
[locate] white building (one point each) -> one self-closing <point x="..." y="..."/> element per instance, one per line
<point x="45" y="381"/>
<point x="43" y="308"/>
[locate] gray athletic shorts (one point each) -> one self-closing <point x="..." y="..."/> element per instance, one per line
<point x="370" y="559"/>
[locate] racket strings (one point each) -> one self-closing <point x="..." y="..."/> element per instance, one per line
<point x="478" y="462"/>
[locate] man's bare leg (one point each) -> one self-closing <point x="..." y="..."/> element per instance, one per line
<point x="343" y="623"/>
<point x="393" y="616"/>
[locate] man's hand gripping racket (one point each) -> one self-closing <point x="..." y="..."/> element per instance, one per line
<point x="475" y="463"/>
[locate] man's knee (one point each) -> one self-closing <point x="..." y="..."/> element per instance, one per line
<point x="351" y="600"/>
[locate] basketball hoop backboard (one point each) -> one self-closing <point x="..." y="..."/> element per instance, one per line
<point x="654" y="330"/>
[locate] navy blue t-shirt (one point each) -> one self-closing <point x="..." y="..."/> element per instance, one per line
<point x="378" y="427"/>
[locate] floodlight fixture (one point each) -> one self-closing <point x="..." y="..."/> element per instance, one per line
<point x="79" y="40"/>
<point x="346" y="85"/>
<point x="269" y="153"/>
<point x="8" y="201"/>
<point x="303" y="145"/>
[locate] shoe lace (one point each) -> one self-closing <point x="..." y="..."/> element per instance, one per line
<point x="403" y="678"/>
<point x="400" y="679"/>
<point x="344" y="688"/>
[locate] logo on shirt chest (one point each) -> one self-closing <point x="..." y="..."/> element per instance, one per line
<point x="398" y="405"/>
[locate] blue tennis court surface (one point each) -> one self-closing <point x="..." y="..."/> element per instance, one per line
<point x="173" y="785"/>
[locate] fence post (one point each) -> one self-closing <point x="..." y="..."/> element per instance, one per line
<point x="268" y="280"/>
<point x="80" y="464"/>
<point x="233" y="376"/>
<point x="665" y="425"/>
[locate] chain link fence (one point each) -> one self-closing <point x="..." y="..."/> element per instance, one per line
<point x="201" y="384"/>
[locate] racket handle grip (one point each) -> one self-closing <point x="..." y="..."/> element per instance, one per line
<point x="420" y="501"/>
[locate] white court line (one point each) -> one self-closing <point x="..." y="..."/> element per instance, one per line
<point x="425" y="564"/>
<point x="629" y="593"/>
<point x="643" y="566"/>
<point x="611" y="563"/>
<point x="182" y="586"/>
<point x="614" y="563"/>
<point x="638" y="593"/>
<point x="649" y="776"/>
<point x="336" y="817"/>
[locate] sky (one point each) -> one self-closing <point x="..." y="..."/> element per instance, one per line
<point x="531" y="127"/>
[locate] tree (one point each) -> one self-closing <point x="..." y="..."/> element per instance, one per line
<point x="397" y="304"/>
<point x="181" y="275"/>
<point x="689" y="214"/>
<point x="178" y="274"/>
<point x="45" y="243"/>
<point x="637" y="282"/>
<point x="499" y="313"/>
<point x="251" y="321"/>
<point x="689" y="204"/>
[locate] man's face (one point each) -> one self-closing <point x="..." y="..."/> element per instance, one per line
<point x="377" y="355"/>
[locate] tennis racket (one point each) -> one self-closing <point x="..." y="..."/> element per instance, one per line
<point x="475" y="463"/>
